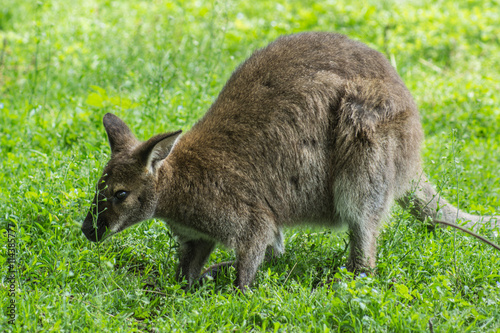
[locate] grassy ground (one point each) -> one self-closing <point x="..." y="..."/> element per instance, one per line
<point x="159" y="65"/>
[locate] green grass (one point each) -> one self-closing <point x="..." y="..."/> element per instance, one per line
<point x="159" y="65"/>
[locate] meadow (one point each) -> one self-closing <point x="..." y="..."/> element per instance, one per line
<point x="159" y="65"/>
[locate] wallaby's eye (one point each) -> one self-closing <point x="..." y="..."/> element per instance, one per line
<point x="121" y="195"/>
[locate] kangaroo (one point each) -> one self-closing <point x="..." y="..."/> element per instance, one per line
<point x="315" y="128"/>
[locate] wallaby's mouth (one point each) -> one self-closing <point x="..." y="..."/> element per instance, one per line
<point x="94" y="234"/>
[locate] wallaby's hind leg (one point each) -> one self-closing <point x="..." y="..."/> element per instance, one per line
<point x="377" y="139"/>
<point x="192" y="256"/>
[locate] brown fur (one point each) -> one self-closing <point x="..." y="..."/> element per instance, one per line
<point x="315" y="128"/>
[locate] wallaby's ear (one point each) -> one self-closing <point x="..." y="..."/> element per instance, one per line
<point x="119" y="135"/>
<point x="156" y="149"/>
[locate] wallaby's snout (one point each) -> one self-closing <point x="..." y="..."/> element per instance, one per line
<point x="94" y="234"/>
<point x="95" y="226"/>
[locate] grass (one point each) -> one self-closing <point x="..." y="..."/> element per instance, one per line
<point x="159" y="65"/>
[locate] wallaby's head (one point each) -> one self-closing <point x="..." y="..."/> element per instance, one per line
<point x="127" y="191"/>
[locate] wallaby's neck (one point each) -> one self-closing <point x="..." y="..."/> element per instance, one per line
<point x="165" y="190"/>
<point x="179" y="181"/>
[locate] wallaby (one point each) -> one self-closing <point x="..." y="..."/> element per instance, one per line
<point x="315" y="128"/>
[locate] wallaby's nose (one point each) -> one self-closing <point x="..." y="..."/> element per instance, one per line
<point x="92" y="233"/>
<point x="89" y="233"/>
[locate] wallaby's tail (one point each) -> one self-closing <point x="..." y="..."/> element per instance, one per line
<point x="425" y="202"/>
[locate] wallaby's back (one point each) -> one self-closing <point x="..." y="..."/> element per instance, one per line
<point x="296" y="121"/>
